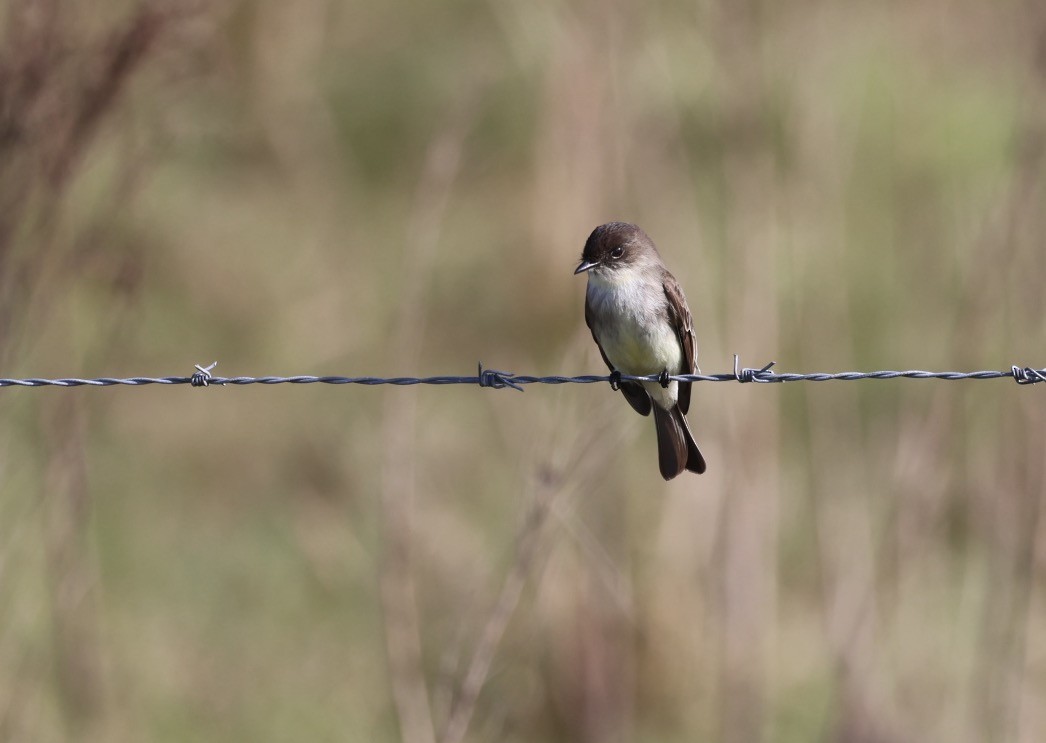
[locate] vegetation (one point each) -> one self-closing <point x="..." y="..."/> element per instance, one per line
<point x="402" y="188"/>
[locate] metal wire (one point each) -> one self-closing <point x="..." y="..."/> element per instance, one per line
<point x="499" y="379"/>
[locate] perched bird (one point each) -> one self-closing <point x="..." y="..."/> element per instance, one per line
<point x="640" y="320"/>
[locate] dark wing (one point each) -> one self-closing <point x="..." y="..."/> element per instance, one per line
<point x="635" y="394"/>
<point x="679" y="314"/>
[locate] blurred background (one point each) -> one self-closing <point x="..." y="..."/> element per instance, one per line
<point x="395" y="188"/>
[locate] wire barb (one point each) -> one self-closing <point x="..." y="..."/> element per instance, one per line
<point x="1027" y="375"/>
<point x="496" y="379"/>
<point x="753" y="375"/>
<point x="202" y="376"/>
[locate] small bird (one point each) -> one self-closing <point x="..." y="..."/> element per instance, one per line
<point x="640" y="320"/>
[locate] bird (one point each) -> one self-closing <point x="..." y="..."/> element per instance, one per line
<point x="640" y="321"/>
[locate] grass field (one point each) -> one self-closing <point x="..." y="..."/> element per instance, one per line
<point x="398" y="188"/>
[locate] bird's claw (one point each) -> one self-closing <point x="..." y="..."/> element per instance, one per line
<point x="615" y="380"/>
<point x="663" y="378"/>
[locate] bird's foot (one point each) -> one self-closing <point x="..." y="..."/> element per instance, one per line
<point x="615" y="380"/>
<point x="663" y="379"/>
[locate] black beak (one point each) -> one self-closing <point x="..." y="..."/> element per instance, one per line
<point x="585" y="266"/>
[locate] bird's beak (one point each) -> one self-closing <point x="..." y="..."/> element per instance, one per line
<point x="585" y="266"/>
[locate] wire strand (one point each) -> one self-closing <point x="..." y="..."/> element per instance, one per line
<point x="500" y="379"/>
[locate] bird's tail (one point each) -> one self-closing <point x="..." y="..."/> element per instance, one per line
<point x="676" y="450"/>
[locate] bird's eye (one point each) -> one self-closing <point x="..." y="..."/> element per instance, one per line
<point x="617" y="252"/>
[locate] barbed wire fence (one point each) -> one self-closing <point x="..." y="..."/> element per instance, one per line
<point x="492" y="378"/>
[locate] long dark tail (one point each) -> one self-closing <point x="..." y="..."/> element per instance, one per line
<point x="676" y="450"/>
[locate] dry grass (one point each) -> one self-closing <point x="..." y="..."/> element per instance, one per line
<point x="391" y="188"/>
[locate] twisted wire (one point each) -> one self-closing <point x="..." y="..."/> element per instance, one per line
<point x="495" y="379"/>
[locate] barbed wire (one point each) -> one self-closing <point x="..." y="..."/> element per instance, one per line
<point x="495" y="379"/>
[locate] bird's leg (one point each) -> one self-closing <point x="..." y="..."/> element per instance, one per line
<point x="615" y="380"/>
<point x="663" y="379"/>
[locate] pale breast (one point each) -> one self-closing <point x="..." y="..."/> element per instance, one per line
<point x="631" y="322"/>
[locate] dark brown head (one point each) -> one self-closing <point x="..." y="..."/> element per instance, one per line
<point x="615" y="246"/>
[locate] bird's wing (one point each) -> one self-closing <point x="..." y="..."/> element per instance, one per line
<point x="679" y="314"/>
